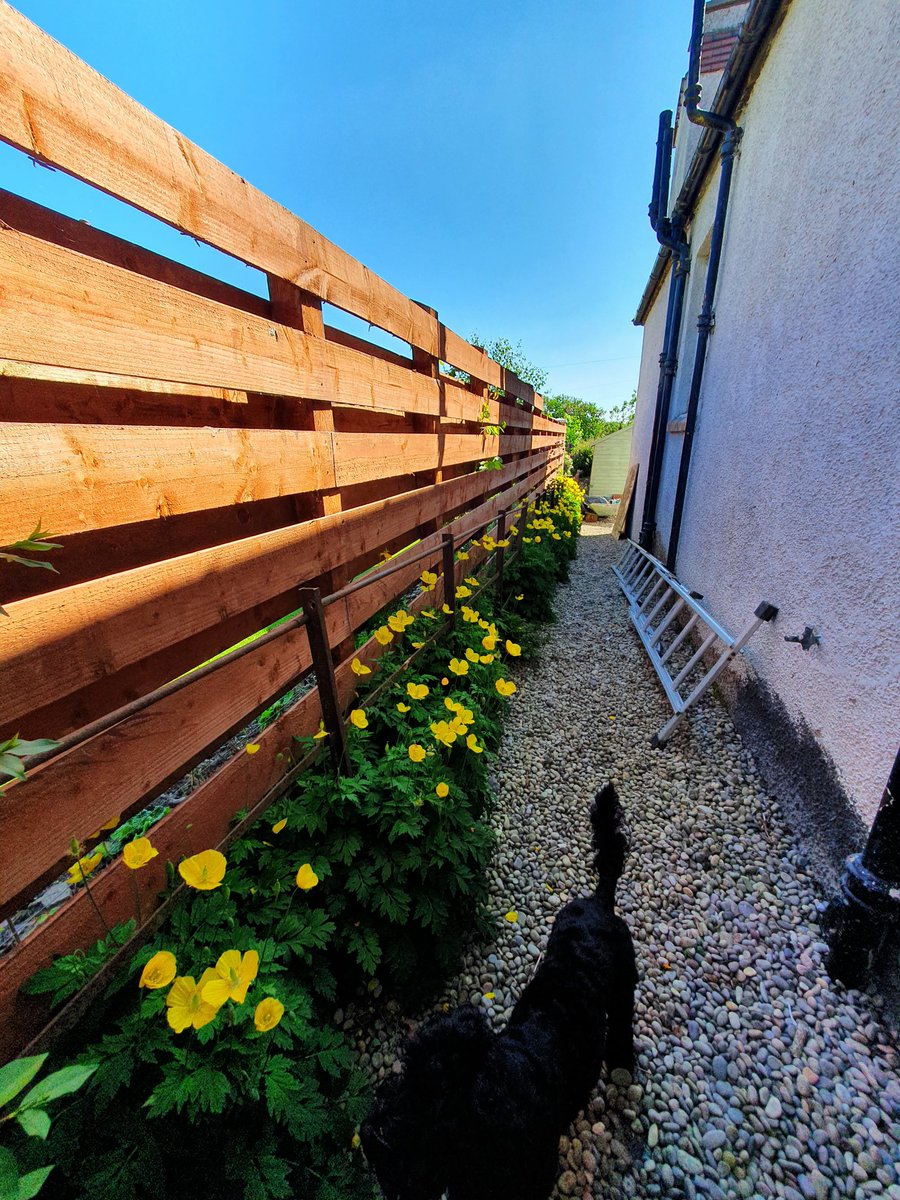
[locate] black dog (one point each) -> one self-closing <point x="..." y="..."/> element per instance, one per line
<point x="477" y="1115"/>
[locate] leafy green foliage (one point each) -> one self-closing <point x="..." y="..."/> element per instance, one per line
<point x="69" y="973"/>
<point x="585" y="422"/>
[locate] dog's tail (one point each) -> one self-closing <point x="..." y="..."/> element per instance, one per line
<point x="609" y="840"/>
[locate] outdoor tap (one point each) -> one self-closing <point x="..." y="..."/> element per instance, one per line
<point x="807" y="638"/>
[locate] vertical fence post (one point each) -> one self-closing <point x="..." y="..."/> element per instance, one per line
<point x="320" y="650"/>
<point x="448" y="549"/>
<point x="501" y="552"/>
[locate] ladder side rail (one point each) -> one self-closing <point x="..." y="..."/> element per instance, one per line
<point x="679" y="637"/>
<point x="665" y="679"/>
<point x="647" y="619"/>
<point x="666" y="621"/>
<point x="695" y="658"/>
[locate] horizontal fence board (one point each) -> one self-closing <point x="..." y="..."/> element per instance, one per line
<point x="83" y="477"/>
<point x="56" y="108"/>
<point x="115" y="770"/>
<point x="66" y="639"/>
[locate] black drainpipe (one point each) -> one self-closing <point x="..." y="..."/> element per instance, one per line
<point x="859" y="920"/>
<point x="669" y="234"/>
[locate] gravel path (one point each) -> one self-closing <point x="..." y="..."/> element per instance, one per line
<point x="756" y="1076"/>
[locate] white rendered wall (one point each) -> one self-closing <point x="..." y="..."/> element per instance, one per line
<point x="793" y="493"/>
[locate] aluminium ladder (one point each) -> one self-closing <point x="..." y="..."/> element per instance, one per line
<point x="655" y="600"/>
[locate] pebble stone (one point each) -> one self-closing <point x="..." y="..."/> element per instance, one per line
<point x="756" y="1076"/>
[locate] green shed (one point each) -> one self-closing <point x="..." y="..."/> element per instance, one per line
<point x="612" y="454"/>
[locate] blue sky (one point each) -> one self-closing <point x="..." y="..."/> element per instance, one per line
<point x="491" y="158"/>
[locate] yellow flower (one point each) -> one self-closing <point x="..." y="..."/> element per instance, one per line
<point x="323" y="732"/>
<point x="450" y="704"/>
<point x="251" y="747"/>
<point x="383" y="636"/>
<point x="138" y="853"/>
<point x="462" y="592"/>
<point x="355" y="1141"/>
<point x="279" y="825"/>
<point x="233" y="975"/>
<point x="429" y="613"/>
<point x="110" y="824"/>
<point x="306" y="878"/>
<point x="359" y="719"/>
<point x="472" y="655"/>
<point x="80" y="870"/>
<point x="556" y="537"/>
<point x="386" y="556"/>
<point x="359" y="668"/>
<point x="159" y="971"/>
<point x="417" y="645"/>
<point x="470" y="614"/>
<point x="397" y="622"/>
<point x="416" y="752"/>
<point x="416" y="691"/>
<point x="445" y="608"/>
<point x="462" y="555"/>
<point x="429" y="578"/>
<point x="472" y="743"/>
<point x="204" y="871"/>
<point x="267" y="1014"/>
<point x="512" y="916"/>
<point x="521" y="596"/>
<point x="443" y="732"/>
<point x="458" y="666"/>
<point x="483" y="625"/>
<point x="472" y="581"/>
<point x="442" y="790"/>
<point x="185" y="1003"/>
<point x="503" y="543"/>
<point x="513" y="649"/>
<point x="486" y="658"/>
<point x="528" y="540"/>
<point x="444" y="681"/>
<point x="489" y="995"/>
<point x="489" y="643"/>
<point x="537" y="539"/>
<point x="401" y="707"/>
<point x="459" y="726"/>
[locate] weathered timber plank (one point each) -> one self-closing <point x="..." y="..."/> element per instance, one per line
<point x="62" y="641"/>
<point x="80" y="477"/>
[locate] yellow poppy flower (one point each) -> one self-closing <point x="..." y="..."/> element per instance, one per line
<point x="444" y="681"/>
<point x="323" y="732"/>
<point x="185" y="1004"/>
<point x="443" y="732"/>
<point x="396" y="623"/>
<point x="528" y="540"/>
<point x="503" y="543"/>
<point x="489" y="642"/>
<point x="442" y="790"/>
<point x="138" y="853"/>
<point x="470" y="615"/>
<point x="521" y="596"/>
<point x="383" y="636"/>
<point x="360" y="668"/>
<point x="458" y="666"/>
<point x="401" y="707"/>
<point x="233" y="974"/>
<point x="462" y="555"/>
<point x="306" y="878"/>
<point x="537" y="539"/>
<point x="416" y="752"/>
<point x="512" y="916"/>
<point x="472" y="581"/>
<point x="459" y="727"/>
<point x="204" y="871"/>
<point x="462" y="592"/>
<point x="416" y="691"/>
<point x="505" y="687"/>
<point x="472" y="655"/>
<point x="486" y="658"/>
<point x="450" y="704"/>
<point x="445" y="608"/>
<point x="513" y="649"/>
<point x="429" y="613"/>
<point x="267" y="1014"/>
<point x="359" y="719"/>
<point x="466" y="714"/>
<point x="252" y="748"/>
<point x="159" y="971"/>
<point x="109" y="824"/>
<point x="429" y="578"/>
<point x="417" y="645"/>
<point x="472" y="743"/>
<point x="279" y="825"/>
<point x="80" y="870"/>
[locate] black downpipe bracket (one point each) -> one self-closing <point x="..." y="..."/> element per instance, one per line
<point x="730" y="139"/>
<point x="859" y="919"/>
<point x="670" y="235"/>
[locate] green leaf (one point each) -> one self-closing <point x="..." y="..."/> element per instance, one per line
<point x="28" y="562"/>
<point x="38" y="746"/>
<point x="31" y="1184"/>
<point x="35" y="1122"/>
<point x="17" y="1075"/>
<point x="60" y="1083"/>
<point x="10" y="765"/>
<point x="9" y="1175"/>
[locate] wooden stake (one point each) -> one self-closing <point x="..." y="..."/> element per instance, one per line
<point x="320" y="649"/>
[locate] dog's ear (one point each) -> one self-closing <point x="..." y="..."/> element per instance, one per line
<point x="450" y="1046"/>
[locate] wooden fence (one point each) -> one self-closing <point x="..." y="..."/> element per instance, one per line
<point x="200" y="453"/>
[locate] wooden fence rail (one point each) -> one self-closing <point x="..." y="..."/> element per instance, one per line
<point x="201" y="453"/>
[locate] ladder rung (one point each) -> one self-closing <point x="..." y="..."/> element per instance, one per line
<point x="679" y="638"/>
<point x="694" y="659"/>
